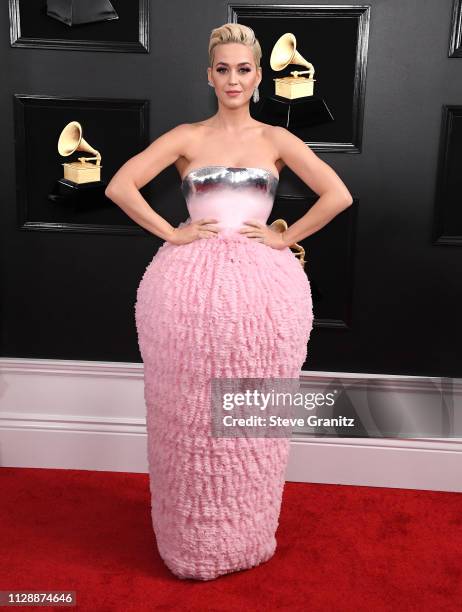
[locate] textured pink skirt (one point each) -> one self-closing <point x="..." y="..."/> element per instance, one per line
<point x="224" y="307"/>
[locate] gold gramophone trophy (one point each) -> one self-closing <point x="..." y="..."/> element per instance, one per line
<point x="81" y="186"/>
<point x="283" y="54"/>
<point x="293" y="104"/>
<point x="280" y="225"/>
<point x="83" y="170"/>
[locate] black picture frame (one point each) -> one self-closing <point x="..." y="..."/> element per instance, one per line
<point x="31" y="27"/>
<point x="447" y="226"/>
<point x="332" y="271"/>
<point x="337" y="46"/>
<point x="117" y="128"/>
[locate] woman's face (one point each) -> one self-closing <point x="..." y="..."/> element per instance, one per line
<point x="234" y="70"/>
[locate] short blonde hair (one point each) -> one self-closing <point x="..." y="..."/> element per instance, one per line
<point x="234" y="33"/>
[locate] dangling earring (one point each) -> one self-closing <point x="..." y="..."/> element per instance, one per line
<point x="256" y="94"/>
<point x="211" y="84"/>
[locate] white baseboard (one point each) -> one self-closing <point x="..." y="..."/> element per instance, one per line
<point x="434" y="465"/>
<point x="91" y="416"/>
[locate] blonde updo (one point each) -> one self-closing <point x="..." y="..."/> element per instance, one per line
<point x="234" y="33"/>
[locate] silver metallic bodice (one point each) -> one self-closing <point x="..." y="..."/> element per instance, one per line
<point x="231" y="195"/>
<point x="204" y="179"/>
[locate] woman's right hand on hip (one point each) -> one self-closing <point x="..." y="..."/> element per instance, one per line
<point x="193" y="231"/>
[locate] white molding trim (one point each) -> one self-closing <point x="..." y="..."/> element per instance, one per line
<point x="98" y="410"/>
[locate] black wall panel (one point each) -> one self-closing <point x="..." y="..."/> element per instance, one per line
<point x="71" y="295"/>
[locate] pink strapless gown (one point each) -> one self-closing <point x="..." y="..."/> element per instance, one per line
<point x="220" y="307"/>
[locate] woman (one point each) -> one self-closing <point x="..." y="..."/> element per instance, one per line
<point x="223" y="297"/>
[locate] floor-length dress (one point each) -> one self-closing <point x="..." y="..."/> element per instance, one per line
<point x="227" y="306"/>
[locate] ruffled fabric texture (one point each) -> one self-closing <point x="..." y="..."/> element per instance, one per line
<point x="221" y="307"/>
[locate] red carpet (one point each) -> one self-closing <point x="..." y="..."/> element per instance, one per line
<point x="339" y="548"/>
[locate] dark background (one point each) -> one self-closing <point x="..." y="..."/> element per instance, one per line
<point x="72" y="295"/>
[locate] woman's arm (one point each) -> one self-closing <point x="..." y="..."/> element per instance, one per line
<point x="123" y="189"/>
<point x="320" y="177"/>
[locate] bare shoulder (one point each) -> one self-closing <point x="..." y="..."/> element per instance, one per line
<point x="183" y="130"/>
<point x="178" y="139"/>
<point x="292" y="149"/>
<point x="265" y="129"/>
<point x="281" y="136"/>
<point x="196" y="126"/>
<point x="281" y="139"/>
<point x="189" y="132"/>
<point x="303" y="161"/>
